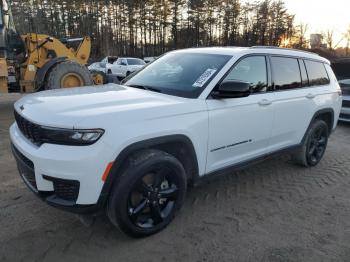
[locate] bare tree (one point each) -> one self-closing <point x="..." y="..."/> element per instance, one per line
<point x="329" y="36"/>
<point x="302" y="30"/>
<point x="347" y="37"/>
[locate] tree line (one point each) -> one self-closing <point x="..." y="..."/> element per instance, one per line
<point x="151" y="27"/>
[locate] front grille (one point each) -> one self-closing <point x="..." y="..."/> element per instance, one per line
<point x="346" y="103"/>
<point x="25" y="167"/>
<point x="65" y="189"/>
<point x="30" y="130"/>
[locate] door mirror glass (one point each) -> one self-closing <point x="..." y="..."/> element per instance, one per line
<point x="232" y="89"/>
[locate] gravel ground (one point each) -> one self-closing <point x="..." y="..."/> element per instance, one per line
<point x="273" y="211"/>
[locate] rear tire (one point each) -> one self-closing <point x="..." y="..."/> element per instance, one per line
<point x="314" y="145"/>
<point x="68" y="74"/>
<point x="148" y="193"/>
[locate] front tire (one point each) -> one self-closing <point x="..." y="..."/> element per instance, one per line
<point x="147" y="194"/>
<point x="314" y="146"/>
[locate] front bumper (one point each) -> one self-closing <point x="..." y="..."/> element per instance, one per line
<point x="67" y="177"/>
<point x="345" y="111"/>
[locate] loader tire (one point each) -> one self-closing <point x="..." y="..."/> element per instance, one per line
<point x="68" y="74"/>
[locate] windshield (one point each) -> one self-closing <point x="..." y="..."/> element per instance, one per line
<point x="134" y="61"/>
<point x="180" y="74"/>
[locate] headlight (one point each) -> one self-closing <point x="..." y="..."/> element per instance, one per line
<point x="73" y="137"/>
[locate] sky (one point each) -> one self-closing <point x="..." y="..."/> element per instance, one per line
<point x="322" y="15"/>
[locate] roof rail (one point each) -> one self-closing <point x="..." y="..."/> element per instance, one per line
<point x="283" y="48"/>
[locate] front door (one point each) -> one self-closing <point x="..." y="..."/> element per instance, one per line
<point x="240" y="128"/>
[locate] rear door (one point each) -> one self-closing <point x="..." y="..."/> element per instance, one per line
<point x="295" y="99"/>
<point x="239" y="128"/>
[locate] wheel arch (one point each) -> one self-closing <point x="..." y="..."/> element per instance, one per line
<point x="325" y="114"/>
<point x="180" y="146"/>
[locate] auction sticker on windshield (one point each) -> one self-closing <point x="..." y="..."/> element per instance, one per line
<point x="204" y="78"/>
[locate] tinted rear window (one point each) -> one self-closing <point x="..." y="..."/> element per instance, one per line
<point x="286" y="73"/>
<point x="317" y="73"/>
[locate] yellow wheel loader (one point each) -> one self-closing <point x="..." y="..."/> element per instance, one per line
<point x="34" y="62"/>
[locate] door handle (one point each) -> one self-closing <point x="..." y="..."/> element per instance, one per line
<point x="310" y="96"/>
<point x="265" y="102"/>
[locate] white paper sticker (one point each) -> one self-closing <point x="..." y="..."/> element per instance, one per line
<point x="204" y="78"/>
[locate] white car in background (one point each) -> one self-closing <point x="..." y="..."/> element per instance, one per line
<point x="124" y="66"/>
<point x="98" y="66"/>
<point x="104" y="65"/>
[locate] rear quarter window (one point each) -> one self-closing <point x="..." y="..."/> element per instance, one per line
<point x="317" y="73"/>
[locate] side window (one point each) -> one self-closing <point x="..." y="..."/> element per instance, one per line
<point x="304" y="78"/>
<point x="251" y="70"/>
<point x="124" y="62"/>
<point x="286" y="73"/>
<point x="317" y="73"/>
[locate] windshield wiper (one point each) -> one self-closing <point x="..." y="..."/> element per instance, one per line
<point x="148" y="88"/>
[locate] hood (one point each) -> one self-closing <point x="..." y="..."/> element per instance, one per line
<point x="67" y="107"/>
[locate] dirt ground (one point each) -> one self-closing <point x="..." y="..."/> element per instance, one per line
<point x="273" y="211"/>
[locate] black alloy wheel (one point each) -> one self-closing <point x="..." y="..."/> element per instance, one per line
<point x="148" y="192"/>
<point x="314" y="144"/>
<point x="317" y="144"/>
<point x="152" y="199"/>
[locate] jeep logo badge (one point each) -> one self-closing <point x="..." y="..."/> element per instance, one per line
<point x="21" y="107"/>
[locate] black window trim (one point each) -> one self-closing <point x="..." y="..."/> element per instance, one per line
<point x="307" y="74"/>
<point x="308" y="79"/>
<point x="270" y="83"/>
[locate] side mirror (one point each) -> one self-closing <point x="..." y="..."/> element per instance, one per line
<point x="232" y="89"/>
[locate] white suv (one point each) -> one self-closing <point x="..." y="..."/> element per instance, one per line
<point x="132" y="149"/>
<point x="124" y="66"/>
